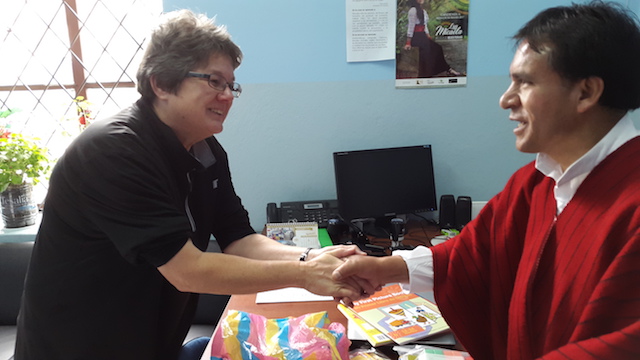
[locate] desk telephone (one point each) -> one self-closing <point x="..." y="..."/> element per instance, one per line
<point x="319" y="211"/>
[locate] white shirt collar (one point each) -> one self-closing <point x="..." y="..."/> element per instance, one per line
<point x="567" y="183"/>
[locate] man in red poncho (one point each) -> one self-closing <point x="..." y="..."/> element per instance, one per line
<point x="550" y="268"/>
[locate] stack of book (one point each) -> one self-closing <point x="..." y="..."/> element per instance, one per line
<point x="392" y="315"/>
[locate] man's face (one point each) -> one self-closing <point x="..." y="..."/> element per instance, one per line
<point x="542" y="104"/>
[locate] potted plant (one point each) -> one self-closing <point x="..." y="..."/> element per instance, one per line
<point x="22" y="163"/>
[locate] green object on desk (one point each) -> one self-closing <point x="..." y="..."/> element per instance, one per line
<point x="324" y="238"/>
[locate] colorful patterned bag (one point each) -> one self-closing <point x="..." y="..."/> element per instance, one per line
<point x="247" y="336"/>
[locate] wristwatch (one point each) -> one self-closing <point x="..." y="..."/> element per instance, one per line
<point x="305" y="254"/>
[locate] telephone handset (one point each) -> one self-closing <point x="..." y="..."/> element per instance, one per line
<point x="319" y="211"/>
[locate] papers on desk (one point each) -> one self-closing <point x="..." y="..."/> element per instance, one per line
<point x="289" y="295"/>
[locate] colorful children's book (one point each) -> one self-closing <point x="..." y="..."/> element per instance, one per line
<point x="401" y="316"/>
<point x="363" y="328"/>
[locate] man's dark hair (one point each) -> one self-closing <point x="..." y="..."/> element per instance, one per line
<point x="595" y="39"/>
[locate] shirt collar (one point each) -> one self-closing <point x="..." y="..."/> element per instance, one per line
<point x="622" y="132"/>
<point x="203" y="153"/>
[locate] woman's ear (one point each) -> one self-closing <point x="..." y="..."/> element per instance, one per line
<point x="159" y="91"/>
<point x="591" y="90"/>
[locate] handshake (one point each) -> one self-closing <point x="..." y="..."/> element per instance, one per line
<point x="348" y="274"/>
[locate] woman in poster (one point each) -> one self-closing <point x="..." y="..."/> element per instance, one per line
<point x="431" y="59"/>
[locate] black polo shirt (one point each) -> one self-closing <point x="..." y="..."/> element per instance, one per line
<point x="123" y="200"/>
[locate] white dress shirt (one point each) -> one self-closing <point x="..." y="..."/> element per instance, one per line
<point x="420" y="260"/>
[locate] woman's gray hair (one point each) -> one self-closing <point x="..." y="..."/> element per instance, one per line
<point x="182" y="42"/>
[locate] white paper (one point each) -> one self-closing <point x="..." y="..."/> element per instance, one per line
<point x="371" y="30"/>
<point x="354" y="332"/>
<point x="289" y="295"/>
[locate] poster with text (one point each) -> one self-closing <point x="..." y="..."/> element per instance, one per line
<point x="431" y="43"/>
<point x="370" y="30"/>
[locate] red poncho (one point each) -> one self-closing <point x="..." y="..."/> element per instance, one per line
<point x="520" y="282"/>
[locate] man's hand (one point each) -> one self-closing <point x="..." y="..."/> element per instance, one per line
<point x="371" y="273"/>
<point x="319" y="272"/>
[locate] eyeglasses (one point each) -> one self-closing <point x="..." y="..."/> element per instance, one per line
<point x="218" y="82"/>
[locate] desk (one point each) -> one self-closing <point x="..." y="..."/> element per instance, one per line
<point x="247" y="303"/>
<point x="417" y="233"/>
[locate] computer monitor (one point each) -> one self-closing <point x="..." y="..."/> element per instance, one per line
<point x="382" y="183"/>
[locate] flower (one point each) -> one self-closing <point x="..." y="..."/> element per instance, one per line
<point x="4" y="124"/>
<point x="84" y="111"/>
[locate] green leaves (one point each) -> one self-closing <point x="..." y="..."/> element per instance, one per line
<point x="6" y="113"/>
<point x="21" y="159"/>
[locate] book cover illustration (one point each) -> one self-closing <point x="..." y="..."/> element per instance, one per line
<point x="403" y="317"/>
<point x="304" y="234"/>
<point x="363" y="328"/>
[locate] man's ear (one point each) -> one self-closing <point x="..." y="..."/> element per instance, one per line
<point x="591" y="90"/>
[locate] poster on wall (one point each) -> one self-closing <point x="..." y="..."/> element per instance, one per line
<point x="431" y="43"/>
<point x="370" y="30"/>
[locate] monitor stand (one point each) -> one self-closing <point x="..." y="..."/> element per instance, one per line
<point x="380" y="228"/>
<point x="376" y="227"/>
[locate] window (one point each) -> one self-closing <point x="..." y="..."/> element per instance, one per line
<point x="55" y="53"/>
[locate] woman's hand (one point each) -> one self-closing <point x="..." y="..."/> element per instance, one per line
<point x="319" y="279"/>
<point x="371" y="273"/>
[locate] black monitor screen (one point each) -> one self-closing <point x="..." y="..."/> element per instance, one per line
<point x="384" y="182"/>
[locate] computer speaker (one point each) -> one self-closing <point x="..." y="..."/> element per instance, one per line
<point x="447" y="215"/>
<point x="463" y="211"/>
<point x="397" y="229"/>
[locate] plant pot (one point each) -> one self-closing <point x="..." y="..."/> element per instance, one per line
<point x="18" y="206"/>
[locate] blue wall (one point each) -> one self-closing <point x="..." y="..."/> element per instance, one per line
<point x="302" y="101"/>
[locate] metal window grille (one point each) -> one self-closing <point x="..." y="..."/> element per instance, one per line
<point x="56" y="52"/>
